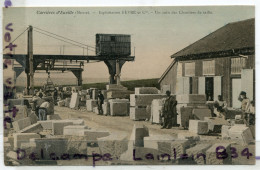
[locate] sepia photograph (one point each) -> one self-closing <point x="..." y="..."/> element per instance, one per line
<point x="102" y="86"/>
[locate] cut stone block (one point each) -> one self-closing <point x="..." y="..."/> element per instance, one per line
<point x="118" y="100"/>
<point x="122" y="94"/>
<point x="186" y="115"/>
<point x="106" y="108"/>
<point x="21" y="124"/>
<point x="50" y="147"/>
<point x="115" y="87"/>
<point x="198" y="127"/>
<point x="211" y="158"/>
<point x="198" y="151"/>
<point x="33" y="118"/>
<point x="155" y="140"/>
<point x="77" y="145"/>
<point x="77" y="130"/>
<point x="114" y="144"/>
<point x="178" y="147"/>
<point x="201" y="113"/>
<point x="191" y="98"/>
<point x="58" y="126"/>
<point x="241" y="134"/>
<point x="137" y="136"/>
<point x="224" y="132"/>
<point x="156" y="110"/>
<point x="20" y="138"/>
<point x="231" y="113"/>
<point x="47" y="124"/>
<point x="91" y="104"/>
<point x="53" y="117"/>
<point x="215" y="123"/>
<point x="74" y="102"/>
<point x="138" y="113"/>
<point x="67" y="102"/>
<point x="146" y="90"/>
<point x="119" y="108"/>
<point x="34" y="128"/>
<point x="21" y="113"/>
<point x="144" y="99"/>
<point x="95" y="110"/>
<point x="61" y="103"/>
<point x="75" y="121"/>
<point x="93" y="134"/>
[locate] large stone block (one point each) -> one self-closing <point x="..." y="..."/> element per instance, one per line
<point x="191" y="98"/>
<point x="138" y="113"/>
<point x="137" y="137"/>
<point x="201" y="113"/>
<point x="74" y="102"/>
<point x="156" y="110"/>
<point x="21" y="113"/>
<point x="241" y="134"/>
<point x="144" y="99"/>
<point x="146" y="90"/>
<point x="114" y="144"/>
<point x="58" y="126"/>
<point x="34" y="128"/>
<point x="46" y="125"/>
<point x="115" y="87"/>
<point x="77" y="145"/>
<point x="77" y="130"/>
<point x="224" y="132"/>
<point x="21" y="124"/>
<point x="215" y="123"/>
<point x="53" y="117"/>
<point x="94" y="134"/>
<point x="186" y="115"/>
<point x="211" y="158"/>
<point x="155" y="141"/>
<point x="119" y="94"/>
<point x="50" y="148"/>
<point x="199" y="153"/>
<point x="106" y="108"/>
<point x="95" y="110"/>
<point x="198" y="127"/>
<point x="20" y="138"/>
<point x="33" y="118"/>
<point x="189" y="136"/>
<point x="91" y="104"/>
<point x="119" y="108"/>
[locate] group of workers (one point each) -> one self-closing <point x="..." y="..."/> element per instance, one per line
<point x="41" y="105"/>
<point x="169" y="111"/>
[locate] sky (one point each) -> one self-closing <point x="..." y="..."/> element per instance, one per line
<point x="156" y="33"/>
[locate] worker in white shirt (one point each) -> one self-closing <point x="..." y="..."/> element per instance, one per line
<point x="43" y="110"/>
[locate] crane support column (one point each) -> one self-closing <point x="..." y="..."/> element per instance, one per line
<point x="30" y="73"/>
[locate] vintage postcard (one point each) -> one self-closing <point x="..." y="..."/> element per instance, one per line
<point x="104" y="86"/>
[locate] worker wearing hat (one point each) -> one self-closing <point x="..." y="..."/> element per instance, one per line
<point x="169" y="112"/>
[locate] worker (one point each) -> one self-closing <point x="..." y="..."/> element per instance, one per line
<point x="245" y="103"/>
<point x="251" y="113"/>
<point x="100" y="102"/>
<point x="43" y="110"/>
<point x="221" y="102"/>
<point x="55" y="96"/>
<point x="169" y="112"/>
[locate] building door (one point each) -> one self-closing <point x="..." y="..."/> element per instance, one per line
<point x="209" y="88"/>
<point x="236" y="89"/>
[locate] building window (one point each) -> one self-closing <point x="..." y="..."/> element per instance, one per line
<point x="190" y="69"/>
<point x="179" y="69"/>
<point x="209" y="67"/>
<point x="237" y="64"/>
